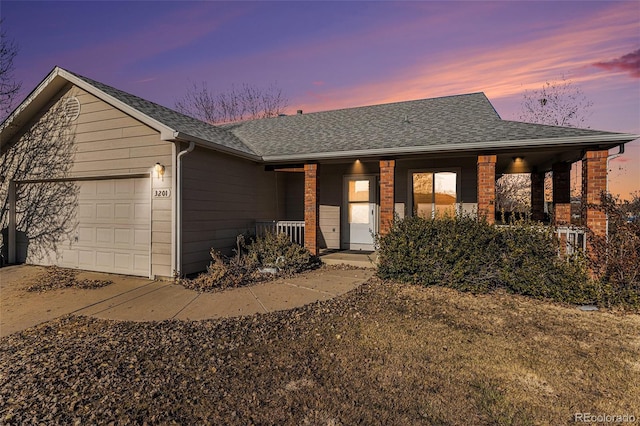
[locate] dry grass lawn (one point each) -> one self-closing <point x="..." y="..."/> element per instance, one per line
<point x="382" y="354"/>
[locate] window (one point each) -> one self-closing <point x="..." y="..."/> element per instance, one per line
<point x="434" y="193"/>
<point x="358" y="201"/>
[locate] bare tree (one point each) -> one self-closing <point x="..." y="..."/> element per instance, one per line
<point x="38" y="160"/>
<point x="246" y="102"/>
<point x="556" y="103"/>
<point x="513" y="193"/>
<point x="9" y="87"/>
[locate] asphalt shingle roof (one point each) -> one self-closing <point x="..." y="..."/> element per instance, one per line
<point x="428" y="122"/>
<point x="173" y="119"/>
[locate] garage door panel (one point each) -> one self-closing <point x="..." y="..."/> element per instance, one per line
<point x="142" y="212"/>
<point x="104" y="211"/>
<point x="125" y="187"/>
<point x="141" y="237"/>
<point x="141" y="262"/>
<point x="69" y="257"/>
<point x="104" y="236"/>
<point x="105" y="187"/>
<point x="104" y="259"/>
<point x="123" y="236"/>
<point x="86" y="235"/>
<point x="86" y="258"/>
<point x="88" y="190"/>
<point x="123" y="211"/>
<point x="112" y="228"/>
<point x="124" y="261"/>
<point x="86" y="211"/>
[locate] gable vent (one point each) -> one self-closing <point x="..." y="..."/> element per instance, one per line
<point x="71" y="108"/>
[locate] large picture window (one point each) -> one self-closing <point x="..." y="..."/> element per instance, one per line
<point x="434" y="193"/>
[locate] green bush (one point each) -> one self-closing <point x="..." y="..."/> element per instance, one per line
<point x="469" y="254"/>
<point x="455" y="251"/>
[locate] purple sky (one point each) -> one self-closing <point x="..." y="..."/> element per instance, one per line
<point x="327" y="55"/>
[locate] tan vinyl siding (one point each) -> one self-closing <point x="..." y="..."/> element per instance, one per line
<point x="329" y="227"/>
<point x="331" y="181"/>
<point x="222" y="198"/>
<point x="109" y="142"/>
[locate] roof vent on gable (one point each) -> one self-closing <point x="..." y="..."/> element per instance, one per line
<point x="71" y="108"/>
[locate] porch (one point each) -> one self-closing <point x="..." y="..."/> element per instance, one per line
<point x="340" y="206"/>
<point x="294" y="229"/>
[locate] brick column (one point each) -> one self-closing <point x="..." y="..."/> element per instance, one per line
<point x="311" y="222"/>
<point x="387" y="194"/>
<point x="487" y="187"/>
<point x="594" y="182"/>
<point x="537" y="196"/>
<point x="561" y="193"/>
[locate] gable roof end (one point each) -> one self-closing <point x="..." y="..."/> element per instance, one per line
<point x="171" y="125"/>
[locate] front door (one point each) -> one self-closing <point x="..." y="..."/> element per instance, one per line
<point x="360" y="218"/>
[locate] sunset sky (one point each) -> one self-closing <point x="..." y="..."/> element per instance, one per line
<point x="327" y="55"/>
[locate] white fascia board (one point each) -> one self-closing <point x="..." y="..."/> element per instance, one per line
<point x="165" y="131"/>
<point x="178" y="136"/>
<point x="27" y="101"/>
<point x="473" y="146"/>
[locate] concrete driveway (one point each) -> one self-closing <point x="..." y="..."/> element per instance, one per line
<point x="140" y="299"/>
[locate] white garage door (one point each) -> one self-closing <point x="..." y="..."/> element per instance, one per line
<point x="113" y="228"/>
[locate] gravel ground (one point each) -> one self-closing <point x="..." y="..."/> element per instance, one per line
<point x="54" y="278"/>
<point x="79" y="370"/>
<point x="381" y="354"/>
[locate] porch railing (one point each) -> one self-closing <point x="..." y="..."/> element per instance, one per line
<point x="293" y="228"/>
<point x="573" y="238"/>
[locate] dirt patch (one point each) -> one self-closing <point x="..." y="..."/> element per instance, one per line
<point x="381" y="354"/>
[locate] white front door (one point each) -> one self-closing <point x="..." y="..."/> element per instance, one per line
<point x="360" y="213"/>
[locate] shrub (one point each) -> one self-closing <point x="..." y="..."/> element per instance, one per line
<point x="469" y="254"/>
<point x="278" y="251"/>
<point x="455" y="251"/>
<point x="271" y="250"/>
<point x="615" y="258"/>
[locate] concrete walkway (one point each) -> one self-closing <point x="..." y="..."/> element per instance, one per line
<point x="139" y="299"/>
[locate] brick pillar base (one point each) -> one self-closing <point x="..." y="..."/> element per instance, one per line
<point x="594" y="182"/>
<point x="387" y="195"/>
<point x="537" y="196"/>
<point x="487" y="187"/>
<point x="561" y="194"/>
<point x="311" y="221"/>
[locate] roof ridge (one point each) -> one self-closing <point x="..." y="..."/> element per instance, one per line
<point x="381" y="105"/>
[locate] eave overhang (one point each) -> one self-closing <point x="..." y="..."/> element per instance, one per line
<point x="606" y="141"/>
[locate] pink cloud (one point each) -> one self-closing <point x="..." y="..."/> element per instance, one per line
<point x="503" y="71"/>
<point x="318" y="83"/>
<point x="627" y="63"/>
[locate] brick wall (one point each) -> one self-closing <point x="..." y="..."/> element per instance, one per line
<point x="311" y="222"/>
<point x="537" y="196"/>
<point x="594" y="182"/>
<point x="487" y="187"/>
<point x="561" y="193"/>
<point x="387" y="194"/>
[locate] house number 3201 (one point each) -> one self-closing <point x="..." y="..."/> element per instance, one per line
<point x="161" y="193"/>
